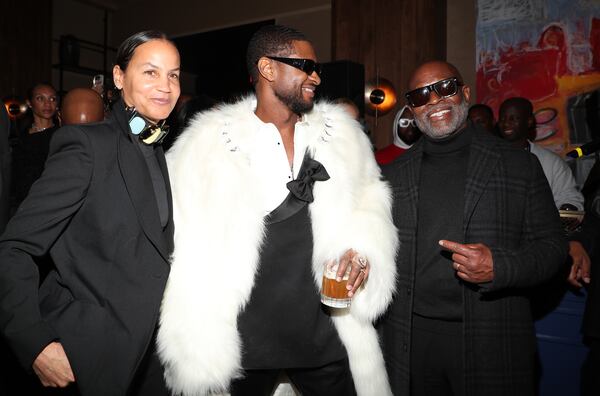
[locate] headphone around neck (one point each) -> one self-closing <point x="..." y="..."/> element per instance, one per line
<point x="145" y="130"/>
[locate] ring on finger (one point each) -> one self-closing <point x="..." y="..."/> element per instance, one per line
<point x="362" y="262"/>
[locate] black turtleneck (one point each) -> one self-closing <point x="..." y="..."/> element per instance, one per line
<point x="438" y="292"/>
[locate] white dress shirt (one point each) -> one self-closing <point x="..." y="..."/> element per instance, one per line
<point x="269" y="159"/>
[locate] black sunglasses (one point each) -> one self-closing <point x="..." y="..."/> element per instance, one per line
<point x="308" y="66"/>
<point x="444" y="89"/>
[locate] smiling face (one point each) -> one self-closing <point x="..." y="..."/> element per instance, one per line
<point x="440" y="117"/>
<point x="151" y="81"/>
<point x="293" y="87"/>
<point x="515" y="120"/>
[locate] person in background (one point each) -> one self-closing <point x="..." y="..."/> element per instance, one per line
<point x="515" y="123"/>
<point x="483" y="115"/>
<point x="587" y="273"/>
<point x="478" y="229"/>
<point x="35" y="132"/>
<point x="349" y="106"/>
<point x="82" y="106"/>
<point x="102" y="210"/>
<point x="183" y="114"/>
<point x="405" y="133"/>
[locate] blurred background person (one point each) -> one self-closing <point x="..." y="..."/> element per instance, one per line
<point x="483" y="115"/>
<point x="180" y="118"/>
<point x="406" y="133"/>
<point x="82" y="106"/>
<point x="349" y="106"/>
<point x="515" y="123"/>
<point x="33" y="140"/>
<point x="589" y="236"/>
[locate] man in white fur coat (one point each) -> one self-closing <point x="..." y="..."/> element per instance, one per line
<point x="242" y="301"/>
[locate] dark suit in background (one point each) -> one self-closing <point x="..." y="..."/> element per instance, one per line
<point x="95" y="211"/>
<point x="589" y="236"/>
<point x="508" y="206"/>
<point x="4" y="167"/>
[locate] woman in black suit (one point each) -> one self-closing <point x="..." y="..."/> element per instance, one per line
<point x="102" y="210"/>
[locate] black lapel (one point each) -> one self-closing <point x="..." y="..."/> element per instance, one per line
<point x="483" y="159"/>
<point x="170" y="229"/>
<point x="139" y="185"/>
<point x="406" y="181"/>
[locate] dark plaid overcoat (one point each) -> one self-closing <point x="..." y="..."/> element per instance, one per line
<point x="508" y="207"/>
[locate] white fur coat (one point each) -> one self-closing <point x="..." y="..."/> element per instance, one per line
<point x="219" y="226"/>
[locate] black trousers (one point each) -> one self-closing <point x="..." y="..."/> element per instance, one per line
<point x="333" y="379"/>
<point x="436" y="358"/>
<point x="590" y="371"/>
<point x="149" y="379"/>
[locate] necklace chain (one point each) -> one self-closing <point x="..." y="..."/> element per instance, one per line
<point x="35" y="128"/>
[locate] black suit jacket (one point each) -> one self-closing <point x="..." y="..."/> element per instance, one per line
<point x="509" y="207"/>
<point x="94" y="210"/>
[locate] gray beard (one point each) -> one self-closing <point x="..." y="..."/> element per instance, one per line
<point x="295" y="103"/>
<point x="459" y="116"/>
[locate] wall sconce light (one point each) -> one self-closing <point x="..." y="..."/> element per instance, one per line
<point x="380" y="97"/>
<point x="14" y="107"/>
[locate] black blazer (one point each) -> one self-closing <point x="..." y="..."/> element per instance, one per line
<point x="94" y="210"/>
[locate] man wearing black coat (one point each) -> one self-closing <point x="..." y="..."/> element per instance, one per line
<point x="478" y="228"/>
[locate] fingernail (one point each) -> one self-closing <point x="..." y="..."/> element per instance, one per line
<point x="350" y="294"/>
<point x="349" y="287"/>
<point x="441" y="243"/>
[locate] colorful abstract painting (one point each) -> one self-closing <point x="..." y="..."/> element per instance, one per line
<point x="549" y="52"/>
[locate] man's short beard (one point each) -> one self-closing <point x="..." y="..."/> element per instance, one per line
<point x="295" y="102"/>
<point x="459" y="116"/>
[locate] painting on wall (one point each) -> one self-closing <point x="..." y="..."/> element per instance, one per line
<point x="549" y="52"/>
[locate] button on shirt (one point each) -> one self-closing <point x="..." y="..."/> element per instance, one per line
<point x="269" y="160"/>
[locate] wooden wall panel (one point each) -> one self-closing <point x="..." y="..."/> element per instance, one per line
<point x="392" y="37"/>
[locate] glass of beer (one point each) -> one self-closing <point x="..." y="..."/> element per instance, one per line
<point x="334" y="293"/>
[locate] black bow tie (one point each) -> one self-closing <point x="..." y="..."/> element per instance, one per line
<point x="310" y="172"/>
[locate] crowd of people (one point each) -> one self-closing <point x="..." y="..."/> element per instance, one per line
<point x="199" y="272"/>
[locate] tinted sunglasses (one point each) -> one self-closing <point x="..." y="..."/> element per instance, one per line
<point x="444" y="89"/>
<point x="405" y="122"/>
<point x="308" y="66"/>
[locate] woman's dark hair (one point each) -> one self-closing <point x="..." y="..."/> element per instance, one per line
<point x="34" y="87"/>
<point x="127" y="47"/>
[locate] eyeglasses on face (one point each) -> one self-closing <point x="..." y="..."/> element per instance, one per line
<point x="308" y="66"/>
<point x="405" y="122"/>
<point x="444" y="89"/>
